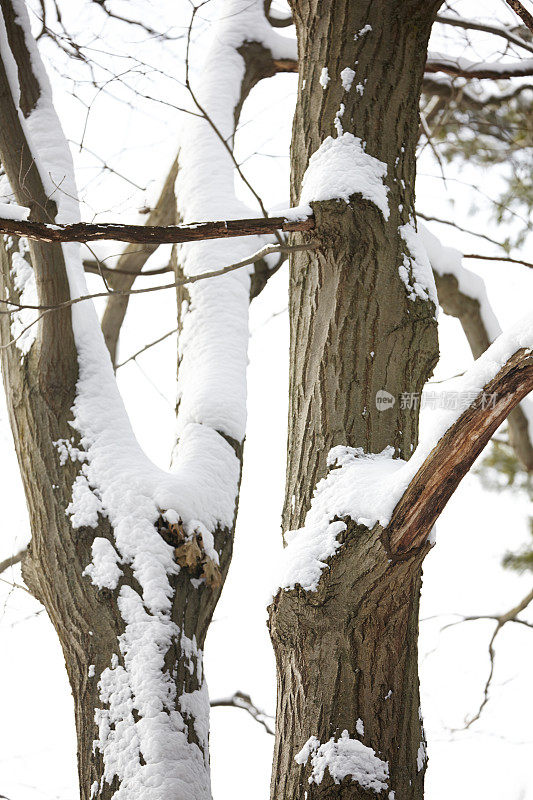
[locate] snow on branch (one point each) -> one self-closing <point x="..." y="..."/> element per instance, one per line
<point x="149" y="234"/>
<point x="405" y="498"/>
<point x="451" y="458"/>
<point x="464" y="68"/>
<point x="462" y="294"/>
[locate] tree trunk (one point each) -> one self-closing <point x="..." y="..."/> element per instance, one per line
<point x="348" y="652"/>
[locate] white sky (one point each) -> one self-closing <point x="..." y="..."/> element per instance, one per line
<point x="463" y="573"/>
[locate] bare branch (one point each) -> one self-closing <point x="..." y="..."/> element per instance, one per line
<point x="12" y="560"/>
<point x="151" y="234"/>
<point x="475" y="25"/>
<point x="441" y="221"/>
<point x="146" y="347"/>
<point x="501" y="620"/>
<point x="252" y="259"/>
<point x="454" y="454"/>
<point x="499" y="258"/>
<point x="244" y="702"/>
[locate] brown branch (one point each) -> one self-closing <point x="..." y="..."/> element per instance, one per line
<point x="12" y="560"/>
<point x="151" y="234"/>
<point x="451" y="458"/>
<point x="499" y="258"/>
<point x="521" y="12"/>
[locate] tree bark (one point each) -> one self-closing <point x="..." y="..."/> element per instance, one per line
<point x="348" y="651"/>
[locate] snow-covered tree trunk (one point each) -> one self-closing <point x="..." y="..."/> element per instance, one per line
<point x="362" y="310"/>
<point x="128" y="559"/>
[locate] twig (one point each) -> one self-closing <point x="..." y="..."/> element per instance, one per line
<point x="12" y="560"/>
<point x="147" y="347"/>
<point x="258" y="256"/>
<point x="441" y="221"/>
<point x="475" y="25"/>
<point x="501" y="620"/>
<point x="244" y="702"/>
<point x="499" y="258"/>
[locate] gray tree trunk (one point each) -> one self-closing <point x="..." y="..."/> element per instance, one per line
<point x="348" y="651"/>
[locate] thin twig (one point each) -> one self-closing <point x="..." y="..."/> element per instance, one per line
<point x="147" y="347"/>
<point x="258" y="256"/>
<point x="499" y="258"/>
<point x="244" y="702"/>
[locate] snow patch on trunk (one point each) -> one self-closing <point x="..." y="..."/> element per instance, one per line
<point x="345" y="758"/>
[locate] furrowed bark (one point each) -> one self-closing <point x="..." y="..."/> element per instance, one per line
<point x="349" y="650"/>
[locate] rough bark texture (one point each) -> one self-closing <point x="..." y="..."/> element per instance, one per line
<point x="349" y="650"/>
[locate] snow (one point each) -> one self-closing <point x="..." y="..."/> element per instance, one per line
<point x="339" y="169"/>
<point x="345" y="758"/>
<point x="365" y="29"/>
<point x="421" y="756"/>
<point x="416" y="272"/>
<point x="337" y="121"/>
<point x="366" y="487"/>
<point x="23" y="329"/>
<point x="347" y="76"/>
<point x="360" y="727"/>
<point x="13" y="211"/>
<point x="324" y="77"/>
<point x="518" y="68"/>
<point x="104" y="570"/>
<point x="449" y="261"/>
<point x="212" y="375"/>
<point x="85" y="506"/>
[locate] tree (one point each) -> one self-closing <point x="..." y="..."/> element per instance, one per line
<point x="128" y="560"/>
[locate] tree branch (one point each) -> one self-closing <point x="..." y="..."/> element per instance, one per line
<point x="463" y="68"/>
<point x="252" y="259"/>
<point x="475" y="25"/>
<point x="12" y="560"/>
<point x="521" y="12"/>
<point x="244" y="702"/>
<point x="501" y="620"/>
<point x="151" y="234"/>
<point x="451" y="458"/>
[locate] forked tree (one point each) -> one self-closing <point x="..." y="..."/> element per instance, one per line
<point x="129" y="560"/>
